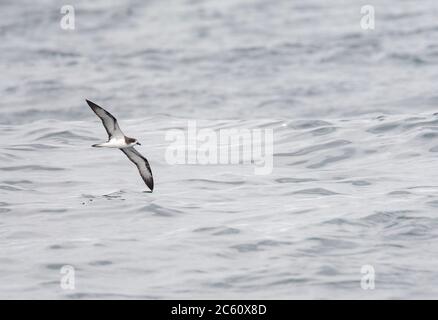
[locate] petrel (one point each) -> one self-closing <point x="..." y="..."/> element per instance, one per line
<point x="117" y="139"/>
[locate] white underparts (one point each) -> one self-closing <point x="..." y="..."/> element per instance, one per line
<point x="115" y="143"/>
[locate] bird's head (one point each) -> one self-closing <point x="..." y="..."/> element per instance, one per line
<point x="132" y="142"/>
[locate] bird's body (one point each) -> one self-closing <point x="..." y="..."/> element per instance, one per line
<point x="116" y="143"/>
<point x="116" y="139"/>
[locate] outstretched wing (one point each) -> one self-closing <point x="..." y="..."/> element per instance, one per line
<point x="142" y="165"/>
<point x="108" y="121"/>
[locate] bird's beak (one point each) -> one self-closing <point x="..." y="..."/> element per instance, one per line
<point x="138" y="143"/>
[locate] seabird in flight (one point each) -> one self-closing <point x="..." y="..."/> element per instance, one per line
<point x="116" y="139"/>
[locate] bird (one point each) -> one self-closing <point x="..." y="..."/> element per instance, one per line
<point x="117" y="139"/>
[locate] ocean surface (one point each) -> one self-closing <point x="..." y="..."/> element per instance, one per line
<point x="354" y="183"/>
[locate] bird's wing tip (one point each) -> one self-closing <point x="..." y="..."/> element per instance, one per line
<point x="148" y="191"/>
<point x="94" y="106"/>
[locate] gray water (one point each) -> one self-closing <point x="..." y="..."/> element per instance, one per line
<point x="354" y="182"/>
